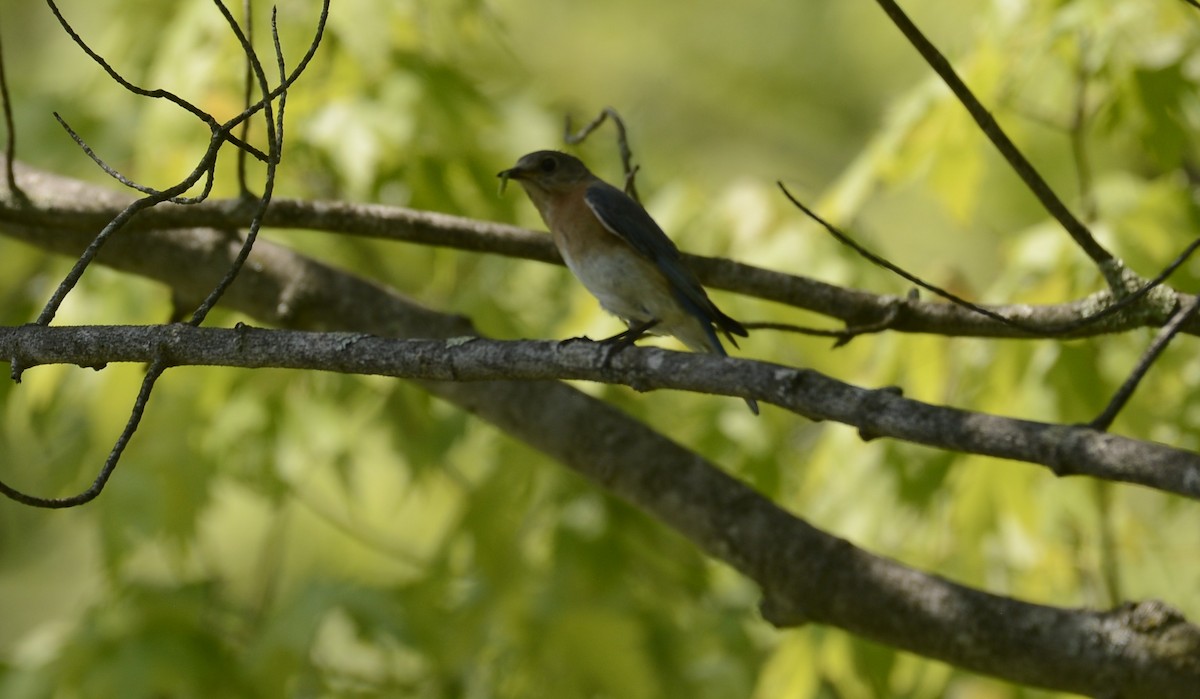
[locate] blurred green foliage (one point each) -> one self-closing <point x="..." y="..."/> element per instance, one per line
<point x="272" y="534"/>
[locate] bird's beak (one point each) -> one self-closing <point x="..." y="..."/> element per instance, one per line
<point x="513" y="173"/>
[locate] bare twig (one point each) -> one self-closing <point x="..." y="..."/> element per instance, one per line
<point x="886" y="321"/>
<point x="10" y="151"/>
<point x="1105" y="419"/>
<point x="1078" y="133"/>
<point x="206" y="168"/>
<point x="156" y="368"/>
<point x="1122" y="302"/>
<point x="81" y="264"/>
<point x="627" y="166"/>
<point x="274" y="126"/>
<point x="247" y="93"/>
<point x="899" y="271"/>
<point x="187" y="106"/>
<point x="220" y="135"/>
<point x="1110" y="570"/>
<point x="797" y="329"/>
<point x="1019" y="163"/>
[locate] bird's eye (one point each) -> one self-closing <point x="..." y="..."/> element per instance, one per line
<point x="548" y="165"/>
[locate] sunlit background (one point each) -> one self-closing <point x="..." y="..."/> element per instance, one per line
<point x="280" y="534"/>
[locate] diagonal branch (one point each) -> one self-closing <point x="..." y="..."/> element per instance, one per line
<point x="1019" y="163"/>
<point x="10" y="132"/>
<point x="1104" y="420"/>
<point x="273" y="119"/>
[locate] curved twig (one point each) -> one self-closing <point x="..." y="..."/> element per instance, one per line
<point x="10" y="151"/>
<point x="627" y="166"/>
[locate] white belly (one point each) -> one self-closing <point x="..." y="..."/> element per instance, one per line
<point x="608" y="278"/>
<point x="612" y="279"/>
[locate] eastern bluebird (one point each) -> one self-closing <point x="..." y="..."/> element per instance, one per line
<point x="621" y="255"/>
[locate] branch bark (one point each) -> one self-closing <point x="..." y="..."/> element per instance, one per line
<point x="806" y="574"/>
<point x="1066" y="449"/>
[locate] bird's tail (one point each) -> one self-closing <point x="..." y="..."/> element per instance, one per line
<point x="729" y="326"/>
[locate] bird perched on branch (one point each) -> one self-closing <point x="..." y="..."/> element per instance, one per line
<point x="621" y="255"/>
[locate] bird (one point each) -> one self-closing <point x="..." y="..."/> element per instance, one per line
<point x="620" y="255"/>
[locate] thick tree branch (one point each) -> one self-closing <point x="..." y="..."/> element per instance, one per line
<point x="56" y="209"/>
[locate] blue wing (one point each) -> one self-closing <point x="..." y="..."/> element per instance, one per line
<point x="626" y="219"/>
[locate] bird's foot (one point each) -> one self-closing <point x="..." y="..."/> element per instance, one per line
<point x="616" y="343"/>
<point x="573" y="340"/>
<point x="631" y="335"/>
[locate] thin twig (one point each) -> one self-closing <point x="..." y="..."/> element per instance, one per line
<point x="247" y="92"/>
<point x="1078" y="134"/>
<point x="845" y="335"/>
<point x="630" y="170"/>
<point x="1105" y="419"/>
<point x="274" y="125"/>
<point x="187" y="106"/>
<point x="1019" y="163"/>
<point x="292" y="76"/>
<point x="899" y="271"/>
<point x="1110" y="568"/>
<point x="220" y="136"/>
<point x="225" y="129"/>
<point x="10" y="152"/>
<point x="81" y="264"/>
<point x="1048" y="330"/>
<point x="797" y="329"/>
<point x="885" y="322"/>
<point x="208" y="166"/>
<point x="155" y="370"/>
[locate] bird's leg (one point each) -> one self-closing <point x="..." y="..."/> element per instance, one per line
<point x="631" y="335"/>
<point x="621" y="340"/>
<point x="569" y="340"/>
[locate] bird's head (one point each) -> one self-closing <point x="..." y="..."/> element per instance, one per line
<point x="548" y="171"/>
